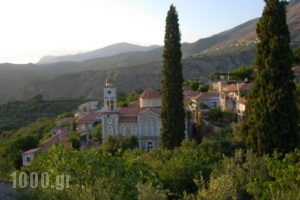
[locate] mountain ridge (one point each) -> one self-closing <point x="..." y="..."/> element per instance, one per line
<point x="106" y="51"/>
<point x="221" y="52"/>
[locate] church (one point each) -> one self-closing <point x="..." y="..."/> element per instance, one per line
<point x="143" y="120"/>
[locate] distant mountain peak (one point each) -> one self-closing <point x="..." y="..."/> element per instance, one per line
<point x="110" y="50"/>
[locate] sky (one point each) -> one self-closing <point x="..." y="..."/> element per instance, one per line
<point x="32" y="29"/>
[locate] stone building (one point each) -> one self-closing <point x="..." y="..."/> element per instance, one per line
<point x="143" y="121"/>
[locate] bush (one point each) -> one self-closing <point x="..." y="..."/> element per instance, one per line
<point x="118" y="143"/>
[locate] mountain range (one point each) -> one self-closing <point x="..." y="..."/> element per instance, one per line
<point x="133" y="66"/>
<point x="110" y="50"/>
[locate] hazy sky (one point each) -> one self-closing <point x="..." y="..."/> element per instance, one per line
<point x="31" y="29"/>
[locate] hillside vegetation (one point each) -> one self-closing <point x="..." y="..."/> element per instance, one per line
<point x="16" y="114"/>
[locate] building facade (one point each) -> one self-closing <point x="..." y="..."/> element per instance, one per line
<point x="142" y="121"/>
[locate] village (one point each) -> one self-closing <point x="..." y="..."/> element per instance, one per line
<point x="142" y="117"/>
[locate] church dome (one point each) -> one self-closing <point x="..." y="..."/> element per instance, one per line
<point x="150" y="98"/>
<point x="150" y="94"/>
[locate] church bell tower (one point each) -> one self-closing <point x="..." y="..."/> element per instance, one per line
<point x="110" y="97"/>
<point x="110" y="114"/>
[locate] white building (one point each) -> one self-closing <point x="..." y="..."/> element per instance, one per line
<point x="88" y="106"/>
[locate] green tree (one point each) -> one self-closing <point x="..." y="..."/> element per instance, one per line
<point x="296" y="55"/>
<point x="94" y="174"/>
<point x="118" y="143"/>
<point x="178" y="168"/>
<point x="242" y="73"/>
<point x="14" y="149"/>
<point x="270" y="120"/>
<point x="147" y="192"/>
<point x="172" y="111"/>
<point x="204" y="88"/>
<point x="74" y="138"/>
<point x="97" y="136"/>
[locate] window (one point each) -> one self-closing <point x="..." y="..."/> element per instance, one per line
<point x="111" y="105"/>
<point x="123" y="130"/>
<point x="149" y="145"/>
<point x="28" y="159"/>
<point x="109" y="130"/>
<point x="150" y="127"/>
<point x="133" y="130"/>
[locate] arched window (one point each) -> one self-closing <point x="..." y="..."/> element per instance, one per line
<point x="149" y="145"/>
<point x="133" y="130"/>
<point x="109" y="130"/>
<point x="150" y="127"/>
<point x="123" y="130"/>
<point x="112" y="105"/>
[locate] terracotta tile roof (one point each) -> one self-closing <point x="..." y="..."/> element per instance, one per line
<point x="145" y="110"/>
<point x="242" y="100"/>
<point x="206" y="95"/>
<point x="129" y="110"/>
<point x="187" y="89"/>
<point x="192" y="94"/>
<point x="230" y="88"/>
<point x="150" y="94"/>
<point x="88" y="118"/>
<point x="35" y="150"/>
<point x="233" y="87"/>
<point x="245" y="86"/>
<point x="296" y="69"/>
<point x="65" y="120"/>
<point x="58" y="138"/>
<point x="134" y="103"/>
<point x="128" y="120"/>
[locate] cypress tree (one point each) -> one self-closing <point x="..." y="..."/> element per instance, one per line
<point x="172" y="111"/>
<point x="270" y="120"/>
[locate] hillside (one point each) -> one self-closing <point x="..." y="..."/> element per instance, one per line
<point x="137" y="69"/>
<point x="90" y="84"/>
<point x="17" y="114"/>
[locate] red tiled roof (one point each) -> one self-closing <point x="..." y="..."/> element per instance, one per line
<point x="134" y="103"/>
<point x="128" y="120"/>
<point x="89" y="118"/>
<point x="66" y="120"/>
<point x="206" y="95"/>
<point x="242" y="100"/>
<point x="296" y="69"/>
<point x="144" y="110"/>
<point x="245" y="86"/>
<point x="35" y="150"/>
<point x="59" y="137"/>
<point x="187" y="89"/>
<point x="191" y="94"/>
<point x="150" y="94"/>
<point x="129" y="110"/>
<point x="233" y="87"/>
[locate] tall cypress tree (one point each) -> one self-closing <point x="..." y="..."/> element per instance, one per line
<point x="270" y="120"/>
<point x="172" y="111"/>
